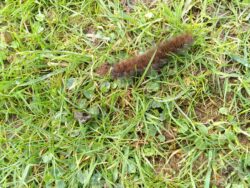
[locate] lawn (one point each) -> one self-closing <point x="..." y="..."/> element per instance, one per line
<point x="62" y="125"/>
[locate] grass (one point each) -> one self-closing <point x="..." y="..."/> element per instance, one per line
<point x="63" y="126"/>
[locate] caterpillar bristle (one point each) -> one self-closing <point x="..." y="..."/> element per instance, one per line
<point x="140" y="62"/>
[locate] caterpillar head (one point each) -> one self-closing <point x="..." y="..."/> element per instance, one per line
<point x="103" y="69"/>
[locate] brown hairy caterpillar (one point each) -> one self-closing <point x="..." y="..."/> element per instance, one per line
<point x="139" y="63"/>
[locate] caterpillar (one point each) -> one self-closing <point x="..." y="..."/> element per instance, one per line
<point x="138" y="63"/>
